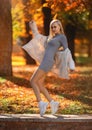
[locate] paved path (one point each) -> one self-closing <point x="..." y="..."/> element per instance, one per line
<point x="37" y="117"/>
<point x="47" y="122"/>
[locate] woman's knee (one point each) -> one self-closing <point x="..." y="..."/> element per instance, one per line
<point x="37" y="77"/>
<point x="32" y="82"/>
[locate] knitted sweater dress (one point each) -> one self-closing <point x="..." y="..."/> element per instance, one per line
<point x="52" y="47"/>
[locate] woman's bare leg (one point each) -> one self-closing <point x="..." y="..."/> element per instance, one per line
<point x="39" y="74"/>
<point x="37" y="82"/>
<point x="43" y="90"/>
<point x="54" y="104"/>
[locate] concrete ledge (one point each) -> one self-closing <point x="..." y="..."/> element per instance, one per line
<point x="47" y="122"/>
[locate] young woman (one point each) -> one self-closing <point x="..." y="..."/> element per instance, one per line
<point x="55" y="41"/>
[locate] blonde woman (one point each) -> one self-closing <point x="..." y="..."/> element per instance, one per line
<point x="55" y="41"/>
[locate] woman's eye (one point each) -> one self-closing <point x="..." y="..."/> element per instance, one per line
<point x="53" y="27"/>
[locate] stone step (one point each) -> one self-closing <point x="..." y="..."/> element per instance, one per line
<point x="47" y="122"/>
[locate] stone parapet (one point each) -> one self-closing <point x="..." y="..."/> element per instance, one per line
<point x="47" y="122"/>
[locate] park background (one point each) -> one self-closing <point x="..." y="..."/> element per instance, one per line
<point x="16" y="66"/>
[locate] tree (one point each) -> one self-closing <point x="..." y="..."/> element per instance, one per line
<point x="88" y="5"/>
<point x="5" y="38"/>
<point x="47" y="17"/>
<point x="70" y="30"/>
<point x="73" y="14"/>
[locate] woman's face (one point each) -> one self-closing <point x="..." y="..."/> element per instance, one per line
<point x="55" y="28"/>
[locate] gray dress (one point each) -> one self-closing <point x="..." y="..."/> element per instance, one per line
<point x="52" y="47"/>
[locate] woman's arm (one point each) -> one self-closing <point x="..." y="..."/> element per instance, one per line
<point x="33" y="26"/>
<point x="40" y="37"/>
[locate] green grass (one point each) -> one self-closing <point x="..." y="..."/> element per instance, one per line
<point x="76" y="107"/>
<point x="2" y="80"/>
<point x="84" y="60"/>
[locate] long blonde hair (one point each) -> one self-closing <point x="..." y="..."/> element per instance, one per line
<point x="59" y="23"/>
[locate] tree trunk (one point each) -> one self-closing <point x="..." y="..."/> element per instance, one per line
<point x="47" y="19"/>
<point x="89" y="36"/>
<point x="70" y="31"/>
<point x="5" y="38"/>
<point x="90" y="32"/>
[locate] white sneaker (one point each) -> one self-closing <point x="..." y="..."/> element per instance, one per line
<point x="54" y="106"/>
<point x="42" y="106"/>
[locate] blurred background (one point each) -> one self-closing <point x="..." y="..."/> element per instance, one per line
<point x="75" y="15"/>
<point x="16" y="66"/>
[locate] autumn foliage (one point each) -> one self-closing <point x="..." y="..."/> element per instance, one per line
<point x="74" y="95"/>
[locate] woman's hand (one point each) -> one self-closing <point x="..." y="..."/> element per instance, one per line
<point x="33" y="27"/>
<point x="31" y="22"/>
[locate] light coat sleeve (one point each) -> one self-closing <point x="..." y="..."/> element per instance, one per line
<point x="36" y="47"/>
<point x="63" y="63"/>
